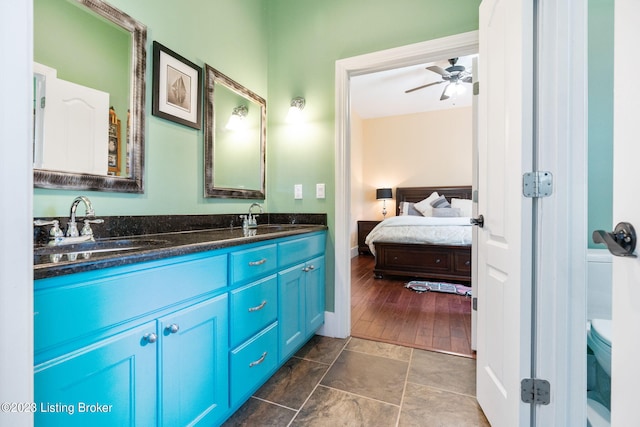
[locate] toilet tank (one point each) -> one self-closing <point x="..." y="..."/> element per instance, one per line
<point x="599" y="274"/>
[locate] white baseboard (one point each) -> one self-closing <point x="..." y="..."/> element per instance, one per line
<point x="354" y="252"/>
<point x="330" y="327"/>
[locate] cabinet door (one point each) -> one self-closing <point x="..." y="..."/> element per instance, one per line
<point x="314" y="295"/>
<point x="194" y="364"/>
<point x="291" y="309"/>
<point x="110" y="383"/>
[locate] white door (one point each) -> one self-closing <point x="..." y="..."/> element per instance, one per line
<point x="504" y="243"/>
<point x="625" y="346"/>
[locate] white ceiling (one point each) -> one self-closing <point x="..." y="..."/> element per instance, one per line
<point x="383" y="94"/>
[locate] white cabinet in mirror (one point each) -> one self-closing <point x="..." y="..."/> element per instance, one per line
<point x="76" y="120"/>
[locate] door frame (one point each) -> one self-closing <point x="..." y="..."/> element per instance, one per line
<point x="560" y="132"/>
<point x="338" y="323"/>
<point x="16" y="188"/>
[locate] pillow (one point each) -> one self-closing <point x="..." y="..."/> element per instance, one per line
<point x="446" y="212"/>
<point x="465" y="206"/>
<point x="424" y="206"/>
<point x="440" y="202"/>
<point x="407" y="208"/>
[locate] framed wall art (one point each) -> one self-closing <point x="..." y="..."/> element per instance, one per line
<point x="177" y="87"/>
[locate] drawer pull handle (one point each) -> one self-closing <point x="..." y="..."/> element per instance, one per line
<point x="259" y="361"/>
<point x="258" y="307"/>
<point x="172" y="328"/>
<point x="254" y="263"/>
<point x="150" y="338"/>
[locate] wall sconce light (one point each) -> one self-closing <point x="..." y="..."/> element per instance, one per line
<point x="295" y="110"/>
<point x="384" y="194"/>
<point x="238" y="116"/>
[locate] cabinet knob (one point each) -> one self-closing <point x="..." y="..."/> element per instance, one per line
<point x="150" y="338"/>
<point x="172" y="328"/>
<point x="438" y="261"/>
<point x="311" y="267"/>
<point x="467" y="263"/>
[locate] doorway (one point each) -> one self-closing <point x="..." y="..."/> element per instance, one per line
<point x="408" y="129"/>
<point x="448" y="47"/>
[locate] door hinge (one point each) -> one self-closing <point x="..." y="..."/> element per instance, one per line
<point x="537" y="184"/>
<point x="476" y="88"/>
<point x="533" y="390"/>
<point x="474" y="303"/>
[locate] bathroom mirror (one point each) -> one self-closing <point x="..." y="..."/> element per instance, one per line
<point x="235" y="139"/>
<point x="91" y="46"/>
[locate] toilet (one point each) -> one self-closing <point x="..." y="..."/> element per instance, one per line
<point x="597" y="414"/>
<point x="599" y="341"/>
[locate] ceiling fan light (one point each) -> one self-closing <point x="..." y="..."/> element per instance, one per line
<point x="460" y="89"/>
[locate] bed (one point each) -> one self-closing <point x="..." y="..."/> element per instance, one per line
<point x="444" y="256"/>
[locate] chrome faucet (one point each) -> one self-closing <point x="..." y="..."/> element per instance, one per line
<point x="249" y="220"/>
<point x="72" y="227"/>
<point x="58" y="237"/>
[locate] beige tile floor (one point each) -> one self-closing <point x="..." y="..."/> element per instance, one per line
<point x="354" y="382"/>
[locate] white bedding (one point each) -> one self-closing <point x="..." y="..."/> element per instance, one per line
<point x="420" y="229"/>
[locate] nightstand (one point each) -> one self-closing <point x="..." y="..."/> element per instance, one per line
<point x="364" y="228"/>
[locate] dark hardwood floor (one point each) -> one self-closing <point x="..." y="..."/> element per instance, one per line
<point x="384" y="310"/>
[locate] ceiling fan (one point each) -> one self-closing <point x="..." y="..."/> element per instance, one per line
<point x="454" y="76"/>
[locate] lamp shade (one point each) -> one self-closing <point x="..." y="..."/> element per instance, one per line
<point x="384" y="193"/>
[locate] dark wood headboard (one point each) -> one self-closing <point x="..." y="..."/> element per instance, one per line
<point x="416" y="194"/>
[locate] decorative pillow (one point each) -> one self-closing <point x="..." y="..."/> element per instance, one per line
<point x="465" y="206"/>
<point x="407" y="208"/>
<point x="446" y="212"/>
<point x="424" y="206"/>
<point x="441" y="202"/>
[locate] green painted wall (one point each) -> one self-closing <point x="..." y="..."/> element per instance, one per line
<point x="600" y="129"/>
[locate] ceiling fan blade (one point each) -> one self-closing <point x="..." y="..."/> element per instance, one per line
<point x="467" y="79"/>
<point x="444" y="93"/>
<point x="421" y="87"/>
<point x="438" y="70"/>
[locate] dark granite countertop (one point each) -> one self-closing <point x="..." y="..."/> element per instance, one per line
<point x="122" y="249"/>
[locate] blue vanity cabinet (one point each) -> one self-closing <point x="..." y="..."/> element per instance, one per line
<point x="301" y="292"/>
<point x="194" y="365"/>
<point x="177" y="341"/>
<point x="148" y="339"/>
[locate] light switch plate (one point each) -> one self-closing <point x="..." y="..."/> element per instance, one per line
<point x="319" y="191"/>
<point x="297" y="191"/>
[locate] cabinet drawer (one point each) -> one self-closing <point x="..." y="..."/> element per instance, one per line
<point x="252" y="363"/>
<point x="86" y="303"/>
<point x="462" y="261"/>
<point x="253" y="307"/>
<point x="415" y="258"/>
<point x="294" y="251"/>
<point x="251" y="264"/>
